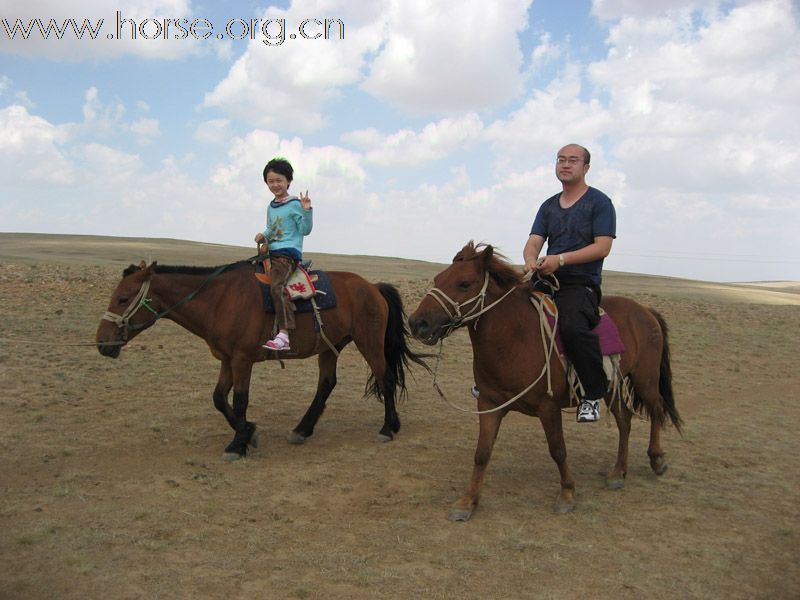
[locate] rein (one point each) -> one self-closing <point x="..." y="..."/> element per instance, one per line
<point x="548" y="335"/>
<point x="141" y="300"/>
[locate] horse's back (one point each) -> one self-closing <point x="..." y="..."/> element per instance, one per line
<point x="359" y="303"/>
<point x="353" y="289"/>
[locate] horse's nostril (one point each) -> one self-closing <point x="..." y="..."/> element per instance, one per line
<point x="418" y="326"/>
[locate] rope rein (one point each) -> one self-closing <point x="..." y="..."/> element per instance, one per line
<point x="548" y="336"/>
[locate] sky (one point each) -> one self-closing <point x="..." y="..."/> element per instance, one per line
<point x="416" y="126"/>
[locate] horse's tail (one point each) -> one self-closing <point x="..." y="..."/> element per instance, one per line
<point x="665" y="375"/>
<point x="395" y="347"/>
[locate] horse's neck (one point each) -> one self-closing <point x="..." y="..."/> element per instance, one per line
<point x="172" y="288"/>
<point x="498" y="324"/>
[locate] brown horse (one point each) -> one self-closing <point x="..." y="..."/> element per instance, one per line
<point x="223" y="306"/>
<point x="508" y="355"/>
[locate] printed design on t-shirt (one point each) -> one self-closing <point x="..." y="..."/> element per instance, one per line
<point x="276" y="229"/>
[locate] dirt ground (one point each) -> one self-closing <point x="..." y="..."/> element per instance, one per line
<point x="112" y="483"/>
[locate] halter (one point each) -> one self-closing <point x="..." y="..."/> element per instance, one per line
<point x="456" y="318"/>
<point x="123" y="321"/>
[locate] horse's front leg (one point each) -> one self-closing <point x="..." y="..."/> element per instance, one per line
<point x="615" y="480"/>
<point x="224" y="385"/>
<point x="327" y="362"/>
<point x="245" y="430"/>
<point x="489" y="426"/>
<point x="550" y="416"/>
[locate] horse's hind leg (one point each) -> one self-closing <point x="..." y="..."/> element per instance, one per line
<point x="327" y="362"/>
<point x="651" y="397"/>
<point x="391" y="420"/>
<point x="654" y="451"/>
<point x="370" y="345"/>
<point x="615" y="480"/>
<point x="462" y="509"/>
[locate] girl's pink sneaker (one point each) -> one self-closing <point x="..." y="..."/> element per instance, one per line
<point x="281" y="342"/>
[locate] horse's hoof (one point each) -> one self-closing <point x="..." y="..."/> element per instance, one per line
<point x="296" y="438"/>
<point x="383" y="438"/>
<point x="661" y="469"/>
<point x="562" y="508"/>
<point x="615" y="484"/>
<point x="254" y="438"/>
<point x="459" y="514"/>
<point x="231" y="456"/>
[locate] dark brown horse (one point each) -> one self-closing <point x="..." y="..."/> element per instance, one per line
<point x="223" y="306"/>
<point x="509" y="355"/>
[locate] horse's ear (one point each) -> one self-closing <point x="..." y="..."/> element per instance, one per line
<point x="147" y="269"/>
<point x="486" y="255"/>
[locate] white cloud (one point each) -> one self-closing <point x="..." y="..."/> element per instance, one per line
<point x="31" y="148"/>
<point x="545" y="52"/>
<point x="670" y="91"/>
<point x="409" y="148"/>
<point x="145" y="129"/>
<point x="613" y="9"/>
<point x="418" y="56"/>
<point x="285" y="86"/>
<point x="214" y="131"/>
<point x="449" y="56"/>
<point x="551" y="118"/>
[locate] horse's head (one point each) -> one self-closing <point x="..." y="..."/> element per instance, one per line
<point x="459" y="292"/>
<point x="123" y="320"/>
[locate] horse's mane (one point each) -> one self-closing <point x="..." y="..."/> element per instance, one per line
<point x="186" y="270"/>
<point x="499" y="267"/>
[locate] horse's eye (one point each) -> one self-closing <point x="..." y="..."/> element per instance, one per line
<point x="464" y="285"/>
<point x="122" y="301"/>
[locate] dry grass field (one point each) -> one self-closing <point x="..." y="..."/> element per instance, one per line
<point x="112" y="484"/>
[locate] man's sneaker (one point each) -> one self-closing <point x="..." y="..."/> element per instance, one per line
<point x="589" y="411"/>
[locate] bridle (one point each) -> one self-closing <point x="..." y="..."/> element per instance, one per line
<point x="457" y="319"/>
<point x="123" y="321"/>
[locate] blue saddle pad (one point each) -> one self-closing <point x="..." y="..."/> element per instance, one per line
<point x="324" y="300"/>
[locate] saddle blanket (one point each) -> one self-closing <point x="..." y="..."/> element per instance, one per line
<point x="610" y="340"/>
<point x="325" y="296"/>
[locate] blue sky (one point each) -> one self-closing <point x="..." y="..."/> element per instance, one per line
<point x="427" y="125"/>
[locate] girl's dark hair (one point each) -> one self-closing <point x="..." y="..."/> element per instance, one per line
<point x="281" y="166"/>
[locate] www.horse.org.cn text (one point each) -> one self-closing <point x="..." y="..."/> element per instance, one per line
<point x="271" y="32"/>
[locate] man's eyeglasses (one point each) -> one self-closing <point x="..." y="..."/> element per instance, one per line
<point x="572" y="160"/>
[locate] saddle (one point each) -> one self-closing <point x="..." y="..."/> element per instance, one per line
<point x="606" y="330"/>
<point x="611" y="347"/>
<point x="305" y="289"/>
<point x="301" y="282"/>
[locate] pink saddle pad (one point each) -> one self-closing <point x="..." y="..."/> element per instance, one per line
<point x="606" y="330"/>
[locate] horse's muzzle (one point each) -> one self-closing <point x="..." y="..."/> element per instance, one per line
<point x="109" y="350"/>
<point x="424" y="328"/>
